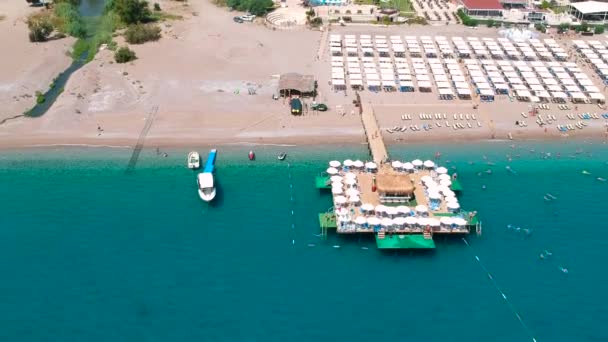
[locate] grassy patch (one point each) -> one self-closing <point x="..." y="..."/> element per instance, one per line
<point x="141" y="33"/>
<point x="80" y="48"/>
<point x="401" y="5"/>
<point x="40" y="97"/>
<point x="163" y="16"/>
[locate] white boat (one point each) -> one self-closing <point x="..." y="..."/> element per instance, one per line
<point x="194" y="160"/>
<point x="206" y="188"/>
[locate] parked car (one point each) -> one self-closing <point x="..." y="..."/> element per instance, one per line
<point x="248" y="17"/>
<point x="238" y="20"/>
<point x="296" y="106"/>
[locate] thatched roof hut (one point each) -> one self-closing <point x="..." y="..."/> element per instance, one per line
<point x="395" y="184"/>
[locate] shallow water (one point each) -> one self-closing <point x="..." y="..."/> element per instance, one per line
<point x="93" y="253"/>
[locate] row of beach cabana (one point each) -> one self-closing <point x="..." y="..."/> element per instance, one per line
<point x="533" y="81"/>
<point x="595" y="53"/>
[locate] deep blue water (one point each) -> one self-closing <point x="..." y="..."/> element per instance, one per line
<point x="91" y="253"/>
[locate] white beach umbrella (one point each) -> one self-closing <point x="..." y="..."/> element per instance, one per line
<point x="433" y="222"/>
<point x="360" y="220"/>
<point x="442" y="170"/>
<point x="397" y="165"/>
<point x="444" y="177"/>
<point x="460" y="221"/>
<point x="403" y="209"/>
<point x="348" y="163"/>
<point x="422" y="221"/>
<point x="392" y="211"/>
<point x="421" y="209"/>
<point x="429" y="164"/>
<point x="451" y="199"/>
<point x="426" y="179"/>
<point x="449" y="193"/>
<point x="386" y="222"/>
<point x="354" y="199"/>
<point x="417" y="162"/>
<point x="452" y="205"/>
<point x="336" y="179"/>
<point x="371" y="165"/>
<point x="445" y="182"/>
<point x="337" y="191"/>
<point x="350" y="175"/>
<point x="352" y="192"/>
<point x="434" y="195"/>
<point x="350" y="181"/>
<point x="446" y="221"/>
<point x="337" y="185"/>
<point x="380" y="209"/>
<point x="367" y="207"/>
<point x="408" y="166"/>
<point x="399" y="221"/>
<point x="373" y="221"/>
<point x="340" y="199"/>
<point x="411" y="221"/>
<point x="332" y="171"/>
<point x="335" y="164"/>
<point x="358" y="164"/>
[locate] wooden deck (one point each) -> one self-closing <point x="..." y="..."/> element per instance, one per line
<point x="374" y="135"/>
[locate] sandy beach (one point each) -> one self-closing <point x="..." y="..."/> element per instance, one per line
<point x="194" y="85"/>
<point x="26" y="67"/>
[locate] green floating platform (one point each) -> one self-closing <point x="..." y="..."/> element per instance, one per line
<point x="410" y="241"/>
<point x="327" y="220"/>
<point x="322" y="182"/>
<point x="456" y="187"/>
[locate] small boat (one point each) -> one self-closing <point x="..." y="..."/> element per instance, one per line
<point x="251" y="155"/>
<point x="206" y="186"/>
<point x="282" y="156"/>
<point x="194" y="160"/>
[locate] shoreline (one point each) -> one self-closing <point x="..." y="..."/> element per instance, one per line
<point x="293" y="141"/>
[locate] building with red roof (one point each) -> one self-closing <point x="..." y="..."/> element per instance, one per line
<point x="482" y="8"/>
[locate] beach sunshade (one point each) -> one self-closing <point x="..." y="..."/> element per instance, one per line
<point x="334" y="164"/>
<point x="411" y="220"/>
<point x="429" y="164"/>
<point x="348" y="163"/>
<point x="354" y="199"/>
<point x="426" y="179"/>
<point x="360" y="220"/>
<point x="408" y="166"/>
<point x="371" y="165"/>
<point x="417" y="162"/>
<point x="396" y="164"/>
<point x="336" y="178"/>
<point x="386" y="222"/>
<point x="446" y="221"/>
<point x="433" y="222"/>
<point x="337" y="185"/>
<point x="434" y="195"/>
<point x="453" y="205"/>
<point x="336" y="191"/>
<point x="332" y="171"/>
<point x="367" y="207"/>
<point x="373" y="221"/>
<point x="403" y="209"/>
<point x="352" y="192"/>
<point x="350" y="181"/>
<point x="358" y="164"/>
<point x="400" y="221"/>
<point x="445" y="182"/>
<point x="459" y="221"/>
<point x="422" y="208"/>
<point x="380" y="209"/>
<point x="391" y="211"/>
<point x="340" y="199"/>
<point x="442" y="170"/>
<point x="350" y="175"/>
<point x="444" y="176"/>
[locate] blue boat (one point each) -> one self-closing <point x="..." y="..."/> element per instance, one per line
<point x="206" y="186"/>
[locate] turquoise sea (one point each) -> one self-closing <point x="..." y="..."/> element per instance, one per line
<point x="90" y="253"/>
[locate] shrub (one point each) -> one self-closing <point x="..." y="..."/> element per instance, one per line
<point x="156" y="6"/>
<point x="598" y="30"/>
<point x="490" y="23"/>
<point x="40" y="97"/>
<point x="40" y="26"/>
<point x="545" y="4"/>
<point x="124" y="55"/>
<point x="466" y="20"/>
<point x="68" y="20"/>
<point x="130" y="11"/>
<point x="316" y="22"/>
<point x="141" y="33"/>
<point x="563" y="28"/>
<point x="255" y="7"/>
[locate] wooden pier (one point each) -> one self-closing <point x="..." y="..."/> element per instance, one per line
<point x="373" y="134"/>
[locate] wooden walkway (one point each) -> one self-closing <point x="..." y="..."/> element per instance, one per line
<point x="374" y="136"/>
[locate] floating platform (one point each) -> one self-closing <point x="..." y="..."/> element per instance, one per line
<point x="456" y="186"/>
<point x="322" y="182"/>
<point x="328" y="220"/>
<point x="410" y="241"/>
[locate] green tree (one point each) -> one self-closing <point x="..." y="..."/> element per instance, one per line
<point x="40" y="27"/>
<point x="545" y="4"/>
<point x="130" y="11"/>
<point x="598" y="29"/>
<point x="124" y="55"/>
<point x="141" y="33"/>
<point x="68" y="20"/>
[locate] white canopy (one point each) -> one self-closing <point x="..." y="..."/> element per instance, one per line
<point x="386" y="222"/>
<point x="332" y="171"/>
<point x="336" y="190"/>
<point x="408" y="166"/>
<point x="334" y="163"/>
<point x="429" y="164"/>
<point x="422" y="208"/>
<point x="396" y="164"/>
<point x="336" y="179"/>
<point x="417" y="162"/>
<point x="373" y="221"/>
<point x="441" y="170"/>
<point x="360" y="220"/>
<point x="367" y="207"/>
<point x="340" y="200"/>
<point x="371" y="165"/>
<point x="348" y="163"/>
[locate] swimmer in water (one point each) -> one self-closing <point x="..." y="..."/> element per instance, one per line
<point x="483" y="187"/>
<point x="601" y="179"/>
<point x="564" y="270"/>
<point x="489" y="171"/>
<point x="527" y="231"/>
<point x="542" y="256"/>
<point x="517" y="229"/>
<point x="509" y="226"/>
<point x="548" y="253"/>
